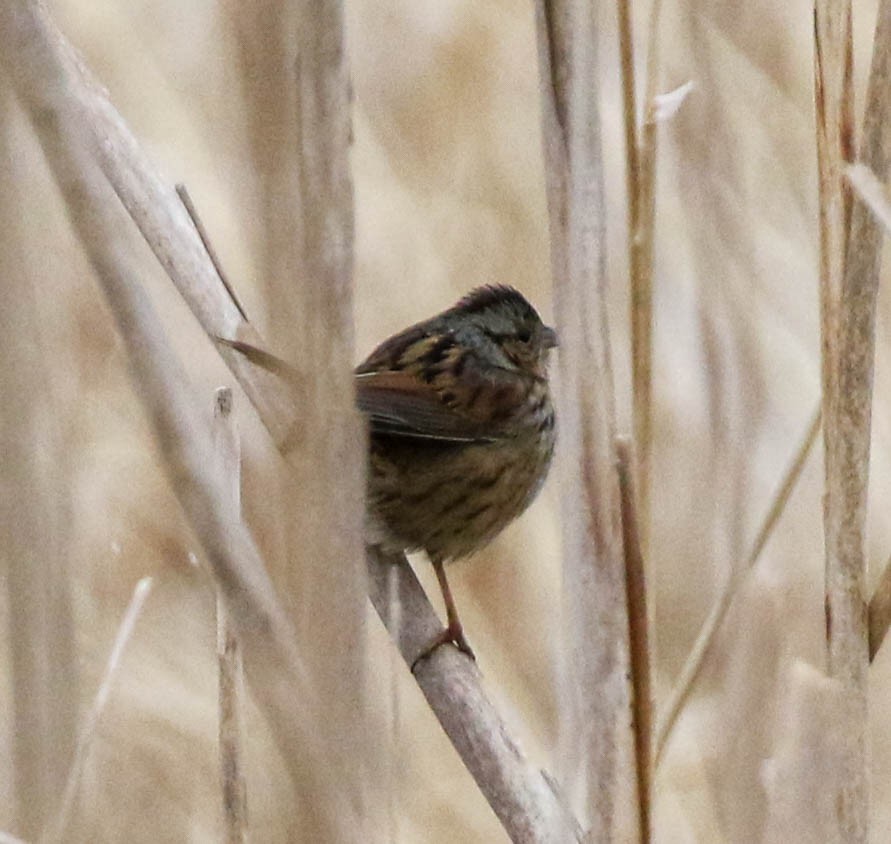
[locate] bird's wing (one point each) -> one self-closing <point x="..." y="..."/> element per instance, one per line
<point x="398" y="404"/>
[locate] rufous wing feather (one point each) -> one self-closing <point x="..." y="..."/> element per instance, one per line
<point x="398" y="404"/>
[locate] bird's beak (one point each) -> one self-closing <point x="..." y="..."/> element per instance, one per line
<point x="549" y="338"/>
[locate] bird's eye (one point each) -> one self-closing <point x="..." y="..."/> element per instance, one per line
<point x="524" y="335"/>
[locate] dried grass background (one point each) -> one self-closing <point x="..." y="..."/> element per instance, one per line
<point x="449" y="189"/>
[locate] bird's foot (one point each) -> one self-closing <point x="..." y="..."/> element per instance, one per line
<point x="451" y="635"/>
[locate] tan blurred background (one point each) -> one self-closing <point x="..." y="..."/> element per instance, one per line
<point x="449" y="192"/>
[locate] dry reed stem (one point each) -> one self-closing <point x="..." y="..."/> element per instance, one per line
<point x="35" y="508"/>
<point x="705" y="640"/>
<point x="293" y="74"/>
<point x="848" y="450"/>
<point x="597" y="741"/>
<point x="58" y="829"/>
<point x="832" y="90"/>
<point x="273" y="668"/>
<point x="638" y="638"/>
<point x="875" y="195"/>
<point x="641" y="246"/>
<point x="293" y="71"/>
<point x="629" y="123"/>
<point x="523" y="798"/>
<point x="833" y="105"/>
<point x="639" y="283"/>
<point x="326" y="560"/>
<point x="229" y="657"/>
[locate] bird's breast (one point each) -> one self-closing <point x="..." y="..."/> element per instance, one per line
<point x="452" y="499"/>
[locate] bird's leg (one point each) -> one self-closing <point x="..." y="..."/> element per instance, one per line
<point x="454" y="632"/>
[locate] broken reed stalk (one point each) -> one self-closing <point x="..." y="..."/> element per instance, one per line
<point x="848" y="387"/>
<point x="56" y="83"/>
<point x="597" y="742"/>
<point x="229" y="657"/>
<point x="639" y="640"/>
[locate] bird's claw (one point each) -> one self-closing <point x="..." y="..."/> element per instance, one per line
<point x="451" y="635"/>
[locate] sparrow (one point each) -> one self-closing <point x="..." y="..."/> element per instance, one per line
<point x="461" y="431"/>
